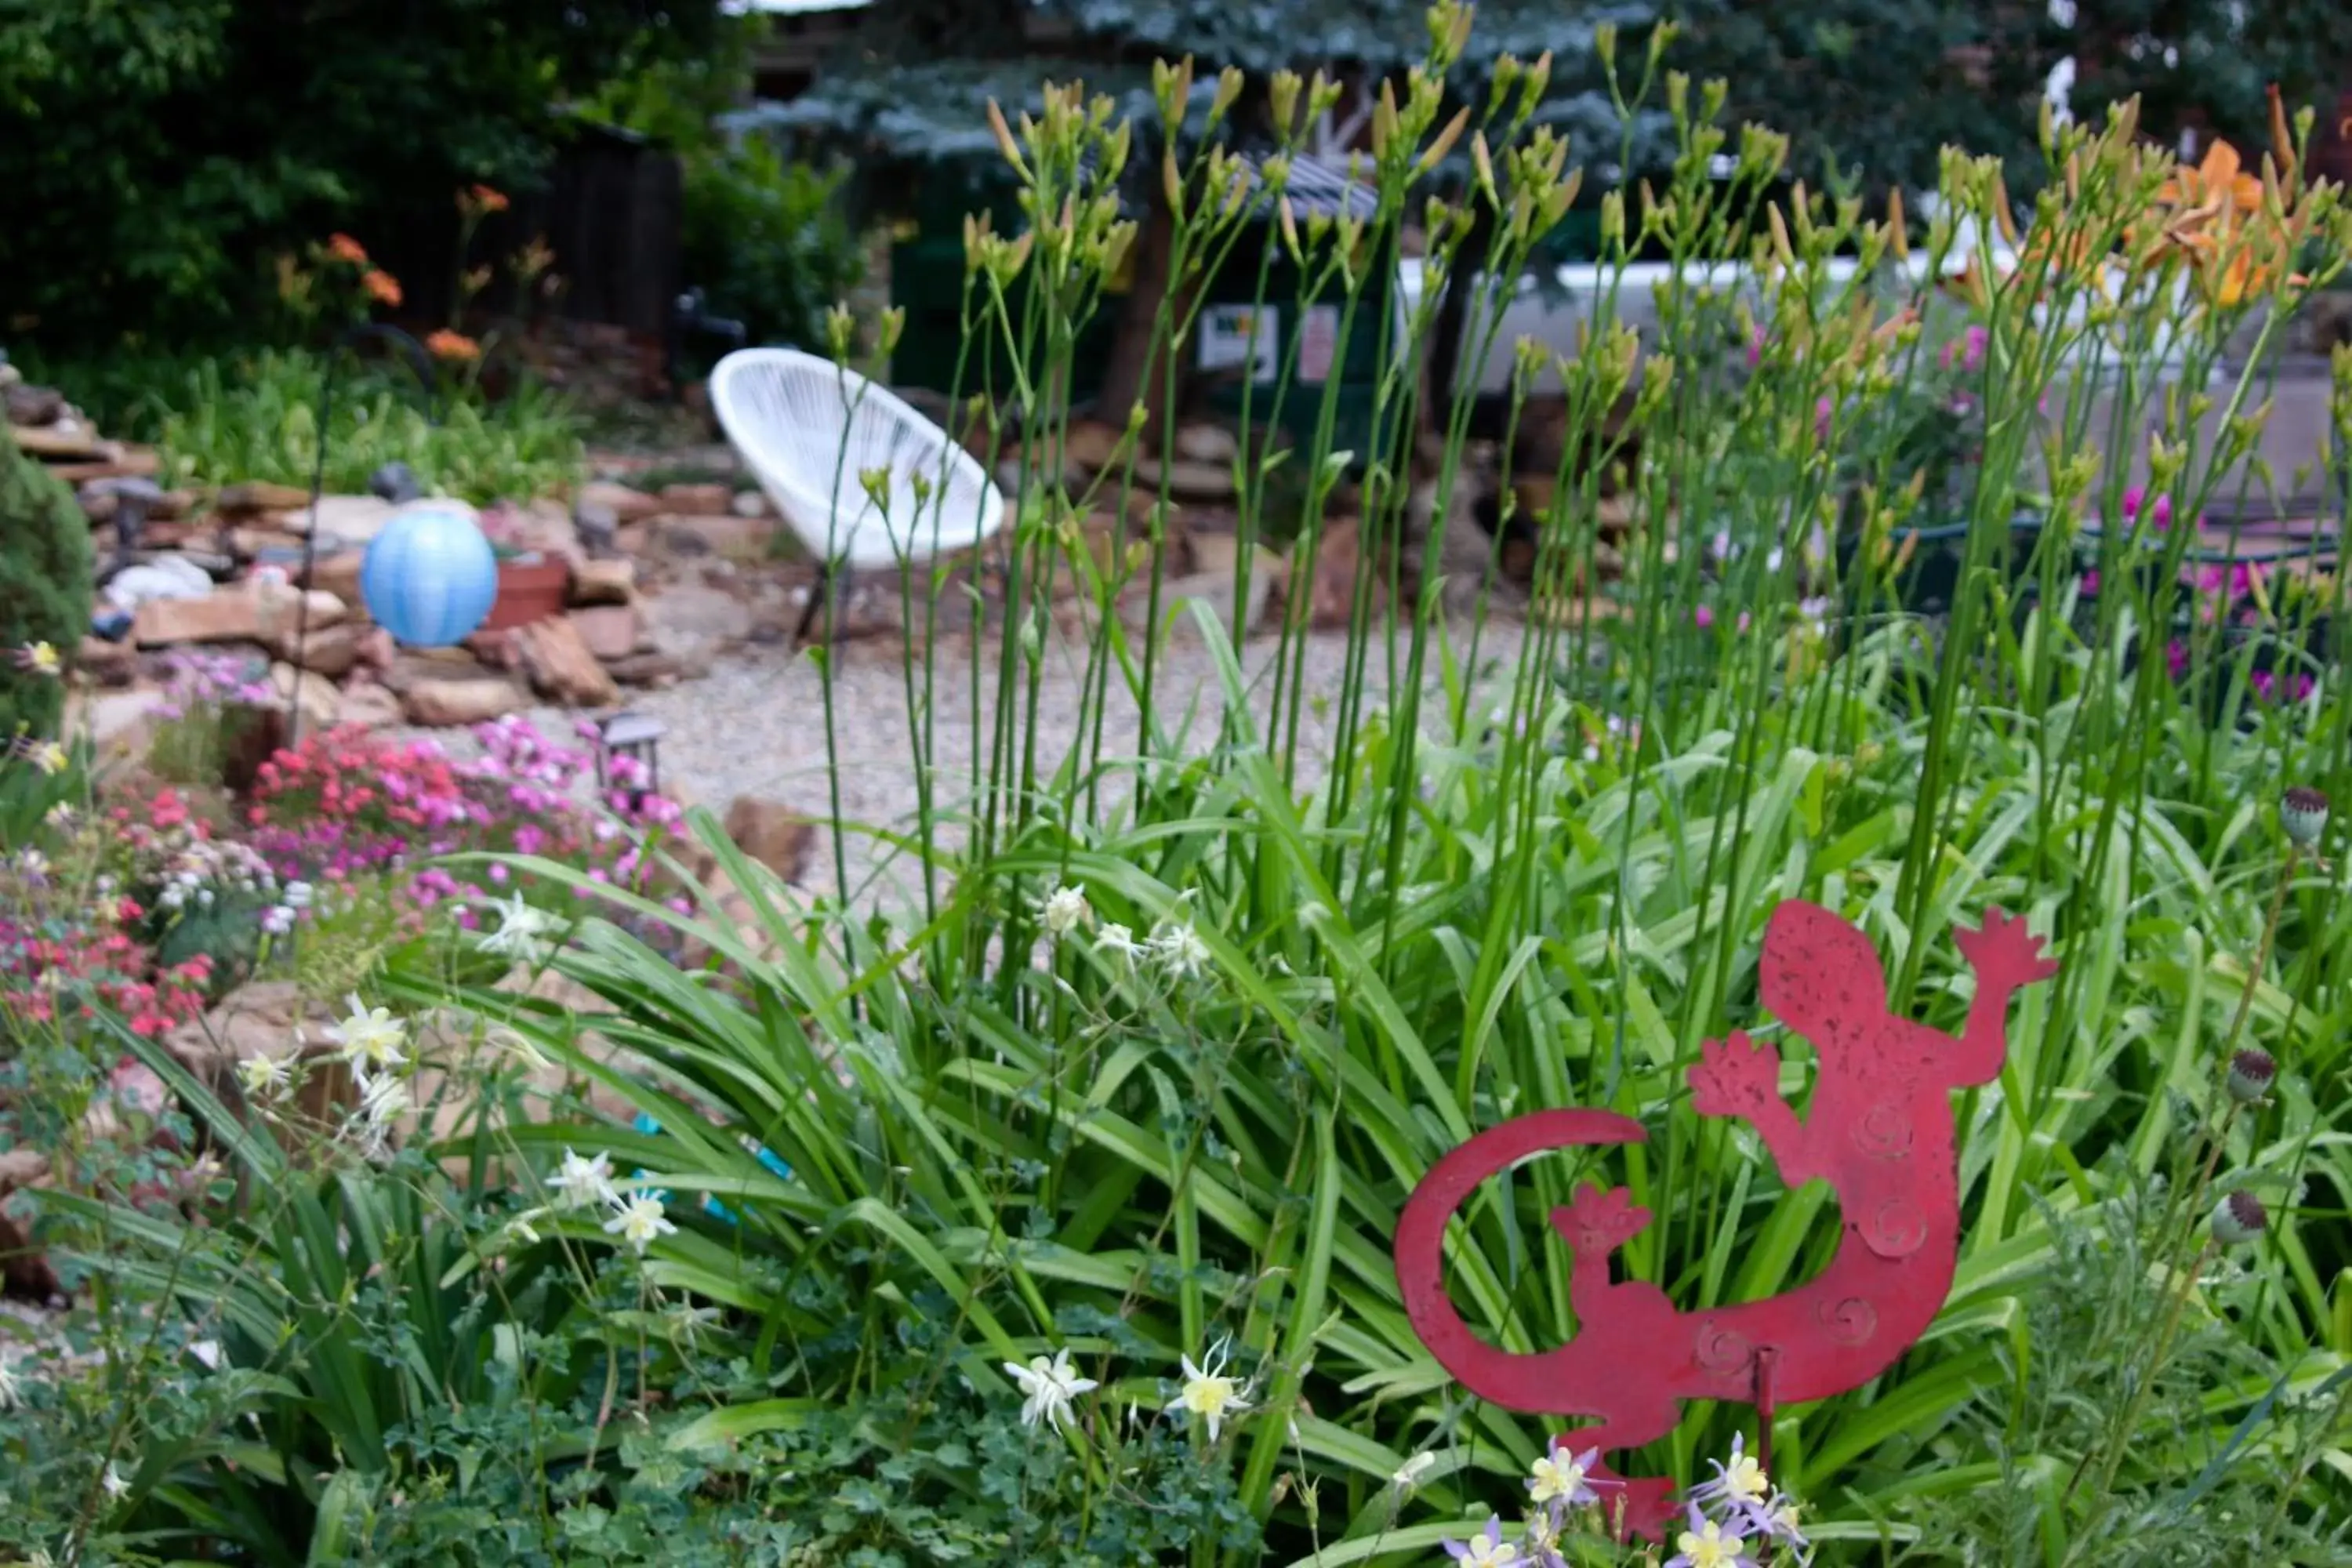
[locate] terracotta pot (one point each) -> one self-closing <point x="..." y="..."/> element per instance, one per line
<point x="528" y="591"/>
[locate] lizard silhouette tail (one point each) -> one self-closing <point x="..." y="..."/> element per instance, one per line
<point x="1528" y="1381"/>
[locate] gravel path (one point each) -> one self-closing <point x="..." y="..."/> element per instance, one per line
<point x="756" y="724"/>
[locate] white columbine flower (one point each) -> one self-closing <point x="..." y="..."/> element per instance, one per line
<point x="116" y="1486"/>
<point x="383" y="1100"/>
<point x="579" y="1183"/>
<point x="10" y="1396"/>
<point x="1118" y="942"/>
<point x="1209" y="1392"/>
<point x="640" y="1222"/>
<point x="1408" y="1474"/>
<point x="1180" y="947"/>
<point x="1047" y="1388"/>
<point x="370" y="1038"/>
<point x="520" y="929"/>
<point x="1066" y="911"/>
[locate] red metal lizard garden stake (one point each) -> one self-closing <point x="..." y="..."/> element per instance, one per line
<point x="1879" y="1132"/>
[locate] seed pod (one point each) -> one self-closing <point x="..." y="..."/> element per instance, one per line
<point x="2251" y="1073"/>
<point x="2303" y="813"/>
<point x="2239" y="1219"/>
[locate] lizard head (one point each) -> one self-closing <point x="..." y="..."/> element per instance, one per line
<point x="1819" y="975"/>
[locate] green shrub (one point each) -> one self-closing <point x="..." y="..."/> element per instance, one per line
<point x="766" y="242"/>
<point x="155" y="162"/>
<point x="257" y="419"/>
<point x="45" y="588"/>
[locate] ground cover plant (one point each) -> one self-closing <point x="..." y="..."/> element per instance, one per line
<point x="1043" y="1214"/>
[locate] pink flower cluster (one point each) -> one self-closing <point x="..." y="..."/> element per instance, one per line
<point x="195" y="680"/>
<point x="41" y="962"/>
<point x="345" y="804"/>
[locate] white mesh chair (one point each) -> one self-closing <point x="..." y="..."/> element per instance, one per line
<point x="811" y="431"/>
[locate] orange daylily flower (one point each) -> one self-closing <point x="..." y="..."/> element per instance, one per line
<point x="383" y="288"/>
<point x="447" y="344"/>
<point x="2219" y="179"/>
<point x="344" y="247"/>
<point x="483" y="199"/>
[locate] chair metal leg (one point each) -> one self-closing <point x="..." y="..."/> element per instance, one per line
<point x="819" y="591"/>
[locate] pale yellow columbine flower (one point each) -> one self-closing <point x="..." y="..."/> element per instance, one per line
<point x="47" y="756"/>
<point x="369" y="1037"/>
<point x="1209" y="1392"/>
<point x="262" y="1075"/>
<point x="640" y="1222"/>
<point x="39" y="658"/>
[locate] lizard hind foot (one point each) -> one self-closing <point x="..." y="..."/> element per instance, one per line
<point x="1595" y="1224"/>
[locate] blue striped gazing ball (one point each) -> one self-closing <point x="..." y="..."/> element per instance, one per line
<point x="430" y="577"/>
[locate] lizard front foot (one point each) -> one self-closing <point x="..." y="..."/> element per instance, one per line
<point x="2004" y="953"/>
<point x="1735" y="1077"/>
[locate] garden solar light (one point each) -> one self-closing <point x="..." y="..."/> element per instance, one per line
<point x="636" y="736"/>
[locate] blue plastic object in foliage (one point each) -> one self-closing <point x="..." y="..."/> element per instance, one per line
<point x="430" y="577"/>
<point x="711" y="1206"/>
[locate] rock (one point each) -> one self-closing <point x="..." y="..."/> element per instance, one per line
<point x="1092" y="444"/>
<point x="21" y="1266"/>
<point x="351" y="520"/>
<point x="545" y="526"/>
<point x="1331" y="597"/>
<point x="331" y="651"/>
<point x="63" y="442"/>
<point x="269" y="1018"/>
<point x="1207" y="444"/>
<point x="1213" y="589"/>
<point x="772" y="833"/>
<point x="625" y="504"/>
<point x="749" y="503"/>
<point x="695" y="616"/>
<point x="370" y="706"/>
<point x="121" y="723"/>
<point x="444" y="704"/>
<point x="229" y="616"/>
<point x="562" y="667"/>
<point x="169" y="577"/>
<point x="736" y="538"/>
<point x="598" y="527"/>
<point x="339" y="574"/>
<point x="604" y="581"/>
<point x="285" y="607"/>
<point x="656" y="669"/>
<point x="1187" y="480"/>
<point x="118" y="461"/>
<point x="319" y="704"/>
<point x="33" y="404"/>
<point x="612" y="631"/>
<point x="704" y="499"/>
<point x="247" y="500"/>
<point x="377" y="651"/>
<point x="496" y="650"/>
<point x="108" y="663"/>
